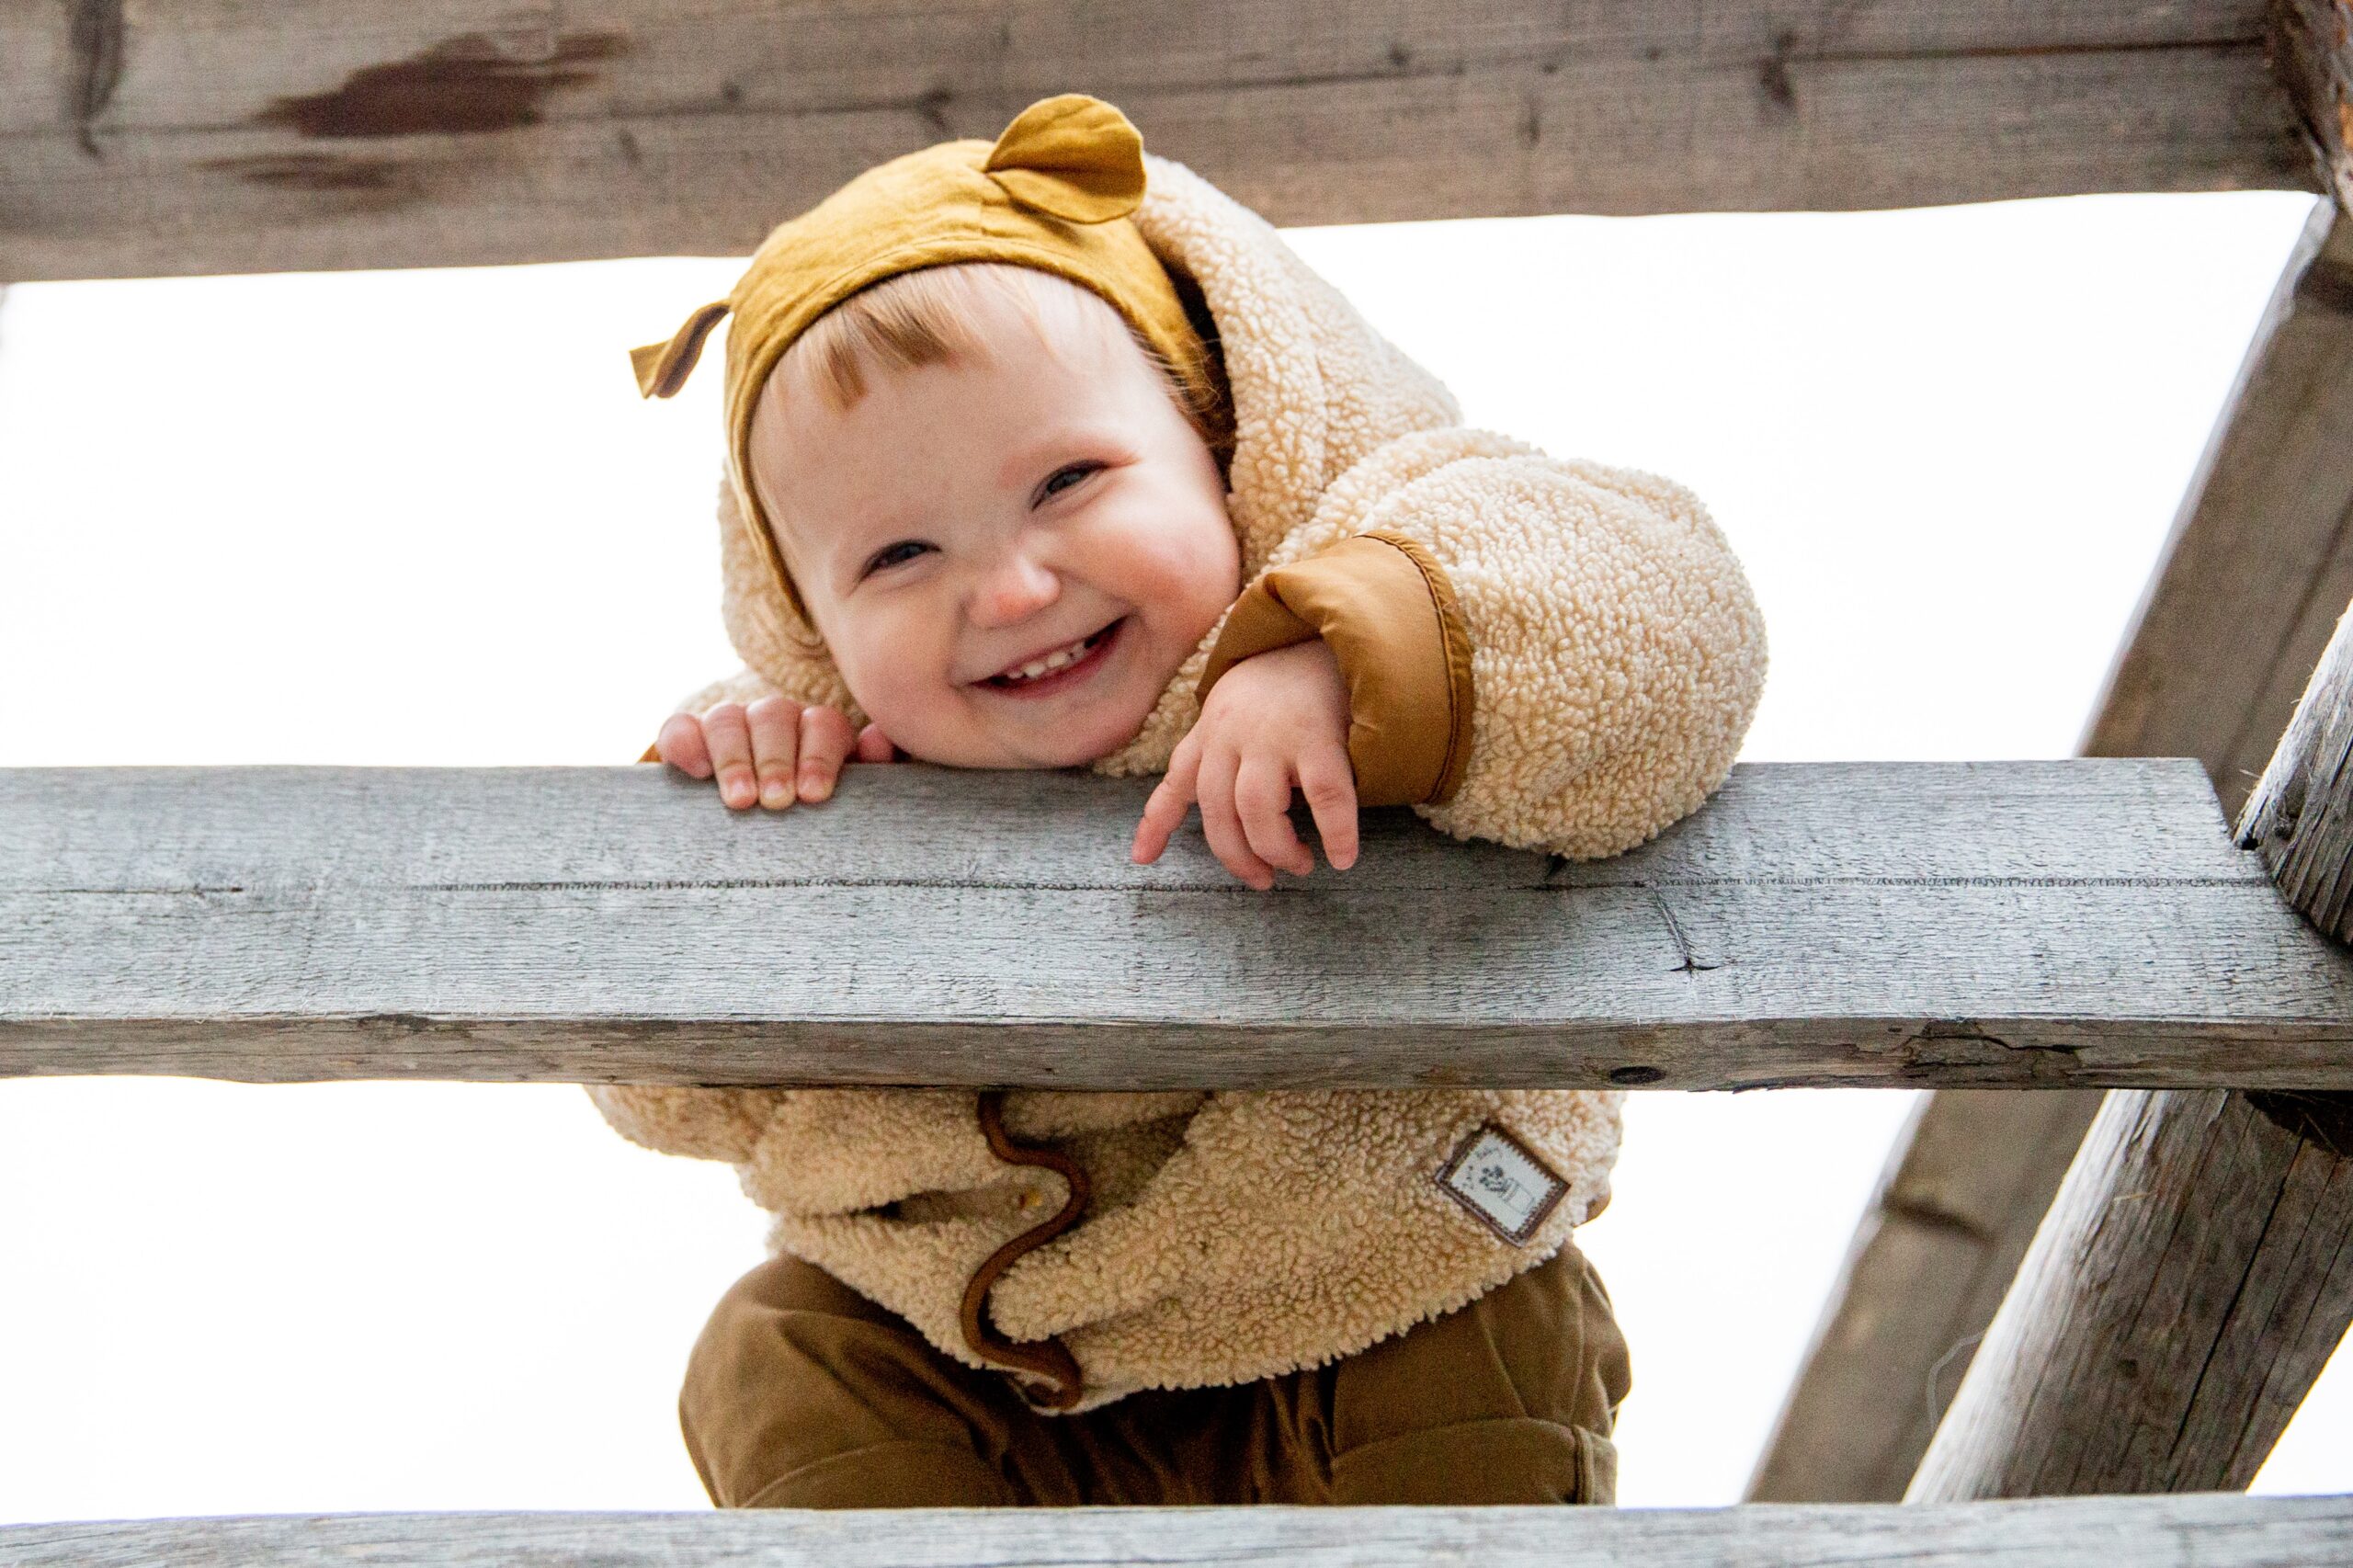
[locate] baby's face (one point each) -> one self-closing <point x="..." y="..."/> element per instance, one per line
<point x="1008" y="556"/>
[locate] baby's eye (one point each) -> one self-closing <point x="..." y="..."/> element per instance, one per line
<point x="1063" y="478"/>
<point x="893" y="554"/>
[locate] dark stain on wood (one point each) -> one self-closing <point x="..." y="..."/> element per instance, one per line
<point x="1773" y="82"/>
<point x="933" y="108"/>
<point x="2325" y="1120"/>
<point x="94" y="41"/>
<point x="464" y="86"/>
<point x="2327" y="286"/>
<point x="388" y="181"/>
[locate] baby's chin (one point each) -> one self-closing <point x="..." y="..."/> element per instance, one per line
<point x="1060" y="735"/>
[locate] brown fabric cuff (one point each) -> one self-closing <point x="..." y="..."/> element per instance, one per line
<point x="1384" y="607"/>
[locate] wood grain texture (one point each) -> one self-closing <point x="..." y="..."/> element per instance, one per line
<point x="225" y="136"/>
<point x="1967" y="1181"/>
<point x="2103" y="1532"/>
<point x="2047" y="924"/>
<point x="2261" y="558"/>
<point x="2182" y="1296"/>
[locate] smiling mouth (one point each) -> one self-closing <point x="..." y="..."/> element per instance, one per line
<point x="1057" y="667"/>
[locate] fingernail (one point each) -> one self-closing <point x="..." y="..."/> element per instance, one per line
<point x="775" y="792"/>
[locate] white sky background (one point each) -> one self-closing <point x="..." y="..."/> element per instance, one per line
<point x="423" y="517"/>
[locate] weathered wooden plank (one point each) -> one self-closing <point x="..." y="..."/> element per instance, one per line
<point x="218" y="135"/>
<point x="2260" y="558"/>
<point x="2034" y="923"/>
<point x="2187" y="1288"/>
<point x="1966" y="1182"/>
<point x="2157" y="1532"/>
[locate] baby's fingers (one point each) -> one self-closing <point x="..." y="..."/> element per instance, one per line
<point x="1329" y="785"/>
<point x="775" y="723"/>
<point x="729" y="736"/>
<point x="1262" y="800"/>
<point x="680" y="744"/>
<point x="1163" y="813"/>
<point x="826" y="742"/>
<point x="873" y="745"/>
<point x="1223" y="826"/>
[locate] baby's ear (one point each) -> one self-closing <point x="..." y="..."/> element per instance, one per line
<point x="1073" y="157"/>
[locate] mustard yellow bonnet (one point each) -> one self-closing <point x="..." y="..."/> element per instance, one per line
<point x="1053" y="192"/>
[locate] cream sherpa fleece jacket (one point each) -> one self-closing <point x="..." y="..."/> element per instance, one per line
<point x="1616" y="654"/>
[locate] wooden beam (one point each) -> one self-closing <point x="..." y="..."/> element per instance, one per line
<point x="220" y="136"/>
<point x="2196" y="1271"/>
<point x="2040" y="924"/>
<point x="2153" y="1532"/>
<point x="2234" y="619"/>
<point x="2261" y="557"/>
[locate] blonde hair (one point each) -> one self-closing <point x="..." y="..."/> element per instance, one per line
<point x="932" y="317"/>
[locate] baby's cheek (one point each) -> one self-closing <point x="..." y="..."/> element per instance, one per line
<point x="897" y="679"/>
<point x="1190" y="572"/>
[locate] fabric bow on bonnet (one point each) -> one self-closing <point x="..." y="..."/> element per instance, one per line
<point x="1053" y="192"/>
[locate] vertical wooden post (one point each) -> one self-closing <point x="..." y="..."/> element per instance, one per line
<point x="2196" y="1268"/>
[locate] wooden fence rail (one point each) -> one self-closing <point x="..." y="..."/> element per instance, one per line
<point x="2057" y="924"/>
<point x="221" y="136"/>
<point x="2190" y="1531"/>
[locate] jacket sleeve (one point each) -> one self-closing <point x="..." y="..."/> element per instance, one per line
<point x="1552" y="656"/>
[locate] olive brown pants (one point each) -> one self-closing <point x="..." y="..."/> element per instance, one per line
<point x="802" y="1393"/>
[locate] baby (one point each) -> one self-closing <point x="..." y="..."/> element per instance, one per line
<point x="1019" y="583"/>
<point x="1030" y="466"/>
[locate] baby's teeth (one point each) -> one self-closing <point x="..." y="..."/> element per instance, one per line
<point x="1053" y="661"/>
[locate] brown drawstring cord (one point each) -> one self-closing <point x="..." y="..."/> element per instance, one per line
<point x="1048" y="1358"/>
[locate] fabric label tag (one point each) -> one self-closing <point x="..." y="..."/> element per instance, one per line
<point x="1503" y="1184"/>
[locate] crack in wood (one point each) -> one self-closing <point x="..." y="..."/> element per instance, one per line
<point x="1690" y="964"/>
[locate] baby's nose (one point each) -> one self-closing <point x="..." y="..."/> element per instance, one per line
<point x="1018" y="589"/>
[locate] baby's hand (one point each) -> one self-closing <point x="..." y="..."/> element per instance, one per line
<point x="772" y="752"/>
<point x="1272" y="721"/>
